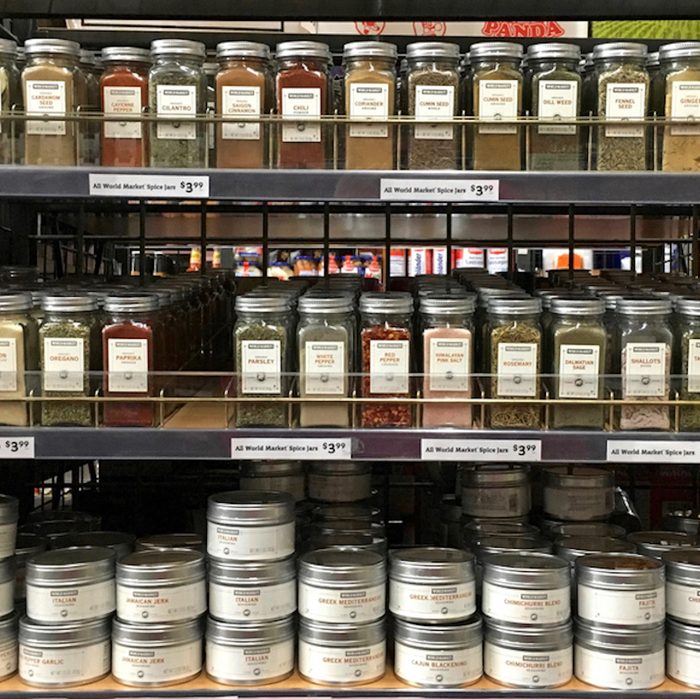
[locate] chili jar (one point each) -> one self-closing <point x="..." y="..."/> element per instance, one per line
<point x="243" y="89"/>
<point x="177" y="87"/>
<point x="10" y="97"/>
<point x="124" y="93"/>
<point x="302" y="84"/>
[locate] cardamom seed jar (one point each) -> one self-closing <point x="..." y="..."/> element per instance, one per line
<point x="340" y="482"/>
<point x="683" y="653"/>
<point x="495" y="492"/>
<point x="63" y="656"/>
<point x="156" y="655"/>
<point x="250" y="653"/>
<point x="655" y="544"/>
<point x="342" y="654"/>
<point x="278" y="476"/>
<point x="337" y="586"/>
<point x="682" y="584"/>
<point x="619" y="658"/>
<point x="438" y="656"/>
<point x="578" y="494"/>
<point x="621" y="589"/>
<point x="8" y="646"/>
<point x="165" y="542"/>
<point x="9" y="514"/>
<point x="67" y="585"/>
<point x="250" y="525"/>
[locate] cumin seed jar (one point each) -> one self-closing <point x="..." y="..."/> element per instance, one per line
<point x="438" y="656"/>
<point x="63" y="656"/>
<point x="73" y="584"/>
<point x="9" y="514"/>
<point x="619" y="658"/>
<point x="156" y="655"/>
<point x="345" y="481"/>
<point x="528" y="656"/>
<point x="526" y="588"/>
<point x="620" y="589"/>
<point x="250" y="654"/>
<point x="578" y="494"/>
<point x="683" y="584"/>
<point x="260" y="591"/>
<point x="342" y="585"/>
<point x="655" y="544"/>
<point x="683" y="653"/>
<point x="8" y="646"/>
<point x="495" y="492"/>
<point x="278" y="476"/>
<point x="432" y="585"/>
<point x="251" y="525"/>
<point x="342" y="654"/>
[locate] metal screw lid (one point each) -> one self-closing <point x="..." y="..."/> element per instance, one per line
<point x="370" y="49"/>
<point x="386" y="302"/>
<point x="619" y="49"/>
<point x="270" y="303"/>
<point x="303" y="49"/>
<point x="328" y="303"/>
<point x="679" y="49"/>
<point x="178" y="47"/>
<point x="495" y="49"/>
<point x="538" y="52"/>
<point x="38" y="46"/>
<point x="131" y="303"/>
<point x="64" y="303"/>
<point x="564" y="305"/>
<point x="652" y="61"/>
<point x="432" y="49"/>
<point x="15" y="301"/>
<point x="514" y="306"/>
<point x="643" y="306"/>
<point x="242" y="49"/>
<point x="447" y="304"/>
<point x="125" y="54"/>
<point x="8" y="47"/>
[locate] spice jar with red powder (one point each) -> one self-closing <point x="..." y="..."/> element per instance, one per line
<point x="386" y="357"/>
<point x="128" y="350"/>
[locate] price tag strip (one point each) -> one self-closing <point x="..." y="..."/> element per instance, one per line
<point x="149" y="186"/>
<point x="311" y="449"/>
<point x="505" y="450"/>
<point x="432" y="190"/>
<point x="16" y="447"/>
<point x="652" y="452"/>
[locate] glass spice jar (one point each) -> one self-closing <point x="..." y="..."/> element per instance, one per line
<point x="688" y="328"/>
<point x="89" y="104"/>
<point x="385" y="353"/>
<point x="177" y="87"/>
<point x="10" y="96"/>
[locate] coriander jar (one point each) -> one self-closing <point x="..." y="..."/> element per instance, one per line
<point x="278" y="476"/>
<point x="250" y="653"/>
<point x="9" y="514"/>
<point x="619" y="658"/>
<point x="165" y="542"/>
<point x="156" y="655"/>
<point x="687" y="321"/>
<point x="683" y="584"/>
<point x="8" y="646"/>
<point x="618" y="589"/>
<point x="438" y="656"/>
<point x="495" y="491"/>
<point x="582" y="493"/>
<point x="655" y="543"/>
<point x="342" y="585"/>
<point x="683" y="653"/>
<point x="432" y="585"/>
<point x="250" y="525"/>
<point x="342" y="654"/>
<point x="66" y="655"/>
<point x="345" y="481"/>
<point x="531" y="657"/>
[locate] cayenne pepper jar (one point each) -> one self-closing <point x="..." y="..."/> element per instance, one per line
<point x="386" y="357"/>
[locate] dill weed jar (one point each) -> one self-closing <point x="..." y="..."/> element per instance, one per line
<point x="688" y="337"/>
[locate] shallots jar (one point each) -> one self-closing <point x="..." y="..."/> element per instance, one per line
<point x="682" y="585"/>
<point x="578" y="494"/>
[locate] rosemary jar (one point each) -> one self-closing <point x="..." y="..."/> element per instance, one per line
<point x="622" y="95"/>
<point x="687" y="322"/>
<point x="432" y="98"/>
<point x="177" y="87"/>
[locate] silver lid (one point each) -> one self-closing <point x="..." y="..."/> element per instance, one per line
<point x="250" y="633"/>
<point x="652" y="61"/>
<point x="566" y="305"/>
<point x="386" y="302"/>
<point x="432" y="49"/>
<point x="642" y="306"/>
<point x="178" y="47"/>
<point x="553" y="51"/>
<point x="686" y="306"/>
<point x="165" y="542"/>
<point x="682" y="565"/>
<point x="338" y="567"/>
<point x="509" y="543"/>
<point x="447" y="304"/>
<point x="494" y="476"/>
<point x="340" y="468"/>
<point x="82" y="633"/>
<point x="270" y="303"/>
<point x="495" y="49"/>
<point x="349" y="526"/>
<point x="120" y="542"/>
<point x="8" y="47"/>
<point x="628" y="571"/>
<point x="155" y="567"/>
<point x="242" y="49"/>
<point x="514" y="306"/>
<point x="303" y="49"/>
<point x="621" y="639"/>
<point x="64" y="303"/>
<point x="157" y="635"/>
<point x="341" y="635"/>
<point x="131" y="303"/>
<point x="362" y="541"/>
<point x="88" y="58"/>
<point x="655" y="543"/>
<point x="270" y="469"/>
<point x="431" y="566"/>
<point x="564" y="529"/>
<point x="54" y="528"/>
<point x="251" y="507"/>
<point x="319" y="305"/>
<point x="532" y="571"/>
<point x="79" y="564"/>
<point x="370" y="49"/>
<point x="619" y="49"/>
<point x="683" y="635"/>
<point x="478" y="529"/>
<point x="572" y="547"/>
<point x="9" y="509"/>
<point x="254" y="573"/>
<point x="679" y="49"/>
<point x="577" y="477"/>
<point x="125" y="54"/>
<point x="350" y="511"/>
<point x="529" y="638"/>
<point x="439" y="637"/>
<point x="38" y="46"/>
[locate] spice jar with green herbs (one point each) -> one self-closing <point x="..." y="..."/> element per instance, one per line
<point x="688" y="324"/>
<point x="515" y="360"/>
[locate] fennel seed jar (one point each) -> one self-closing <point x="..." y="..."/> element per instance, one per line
<point x="683" y="585"/>
<point x="683" y="653"/>
<point x="342" y="585"/>
<point x="578" y="494"/>
<point x="655" y="544"/>
<point x="161" y="586"/>
<point x="619" y="658"/>
<point x="526" y="588"/>
<point x="528" y="656"/>
<point x="495" y="492"/>
<point x="438" y="656"/>
<point x="432" y="585"/>
<point x="278" y="476"/>
<point x="8" y="646"/>
<point x="258" y="591"/>
<point x="250" y="525"/>
<point x="344" y="481"/>
<point x="73" y="584"/>
<point x="62" y="656"/>
<point x="620" y="589"/>
<point x="250" y="653"/>
<point x="9" y="514"/>
<point x="156" y="655"/>
<point x="165" y="542"/>
<point x="342" y="654"/>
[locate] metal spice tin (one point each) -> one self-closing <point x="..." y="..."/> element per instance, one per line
<point x="8" y="646"/>
<point x="164" y="542"/>
<point x="683" y="653"/>
<point x="578" y="494"/>
<point x="571" y="548"/>
<point x="477" y="529"/>
<point x="588" y="529"/>
<point x="495" y="492"/>
<point x="340" y="482"/>
<point x="9" y="514"/>
<point x="655" y="544"/>
<point x="120" y="542"/>
<point x="361" y="540"/>
<point x="359" y="512"/>
<point x="278" y="476"/>
<point x="8" y="574"/>
<point x="683" y="585"/>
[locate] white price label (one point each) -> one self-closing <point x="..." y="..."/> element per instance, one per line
<point x="149" y="186"/>
<point x="16" y="447"/>
<point x="429" y="189"/>
<point x="652" y="452"/>
<point x="314" y="449"/>
<point x="481" y="449"/>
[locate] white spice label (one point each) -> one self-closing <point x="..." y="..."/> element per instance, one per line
<point x="683" y="664"/>
<point x="683" y="602"/>
<point x="617" y="671"/>
<point x="621" y="607"/>
<point x="250" y="543"/>
<point x="301" y="102"/>
<point x="693" y="366"/>
<point x="60" y="666"/>
<point x="498" y="99"/>
<point x="449" y="364"/>
<point x="128" y="365"/>
<point x="517" y="369"/>
<point x="528" y="668"/>
<point x="369" y="101"/>
<point x="435" y="102"/>
<point x="645" y="365"/>
<point x="45" y="97"/>
<point x="324" y="366"/>
<point x="8" y="364"/>
<point x="558" y="99"/>
<point x="122" y="101"/>
<point x="8" y="660"/>
<point x="579" y="369"/>
<point x="49" y="605"/>
<point x="240" y="101"/>
<point x="388" y="366"/>
<point x="8" y="536"/>
<point x="432" y="602"/>
<point x="342" y="606"/>
<point x="261" y="366"/>
<point x="250" y="664"/>
<point x="262" y="603"/>
<point x="430" y="668"/>
<point x="685" y="106"/>
<point x="340" y="665"/>
<point x="64" y="364"/>
<point x="156" y="665"/>
<point x="164" y="604"/>
<point x="525" y="606"/>
<point x="625" y="101"/>
<point x="176" y="101"/>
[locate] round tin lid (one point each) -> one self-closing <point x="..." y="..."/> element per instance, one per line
<point x="158" y="635"/>
<point x="426" y="565"/>
<point x="178" y="47"/>
<point x="181" y="566"/>
<point x="78" y="564"/>
<point x="161" y="542"/>
<point x="251" y="573"/>
<point x="619" y="49"/>
<point x="439" y="637"/>
<point x="303" y="49"/>
<point x="81" y="633"/>
<point x="342" y="566"/>
<point x="125" y="54"/>
<point x="432" y="49"/>
<point x="386" y="302"/>
<point x="251" y="507"/>
<point x="15" y="301"/>
<point x="495" y="49"/>
<point x="342" y="635"/>
<point x="66" y="48"/>
<point x="527" y="570"/>
<point x="370" y="49"/>
<point x="250" y="633"/>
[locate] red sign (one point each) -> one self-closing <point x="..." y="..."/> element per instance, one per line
<point x="523" y="30"/>
<point x="429" y="28"/>
<point x="370" y="28"/>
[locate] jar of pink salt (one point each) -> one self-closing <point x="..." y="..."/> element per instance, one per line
<point x="447" y="328"/>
